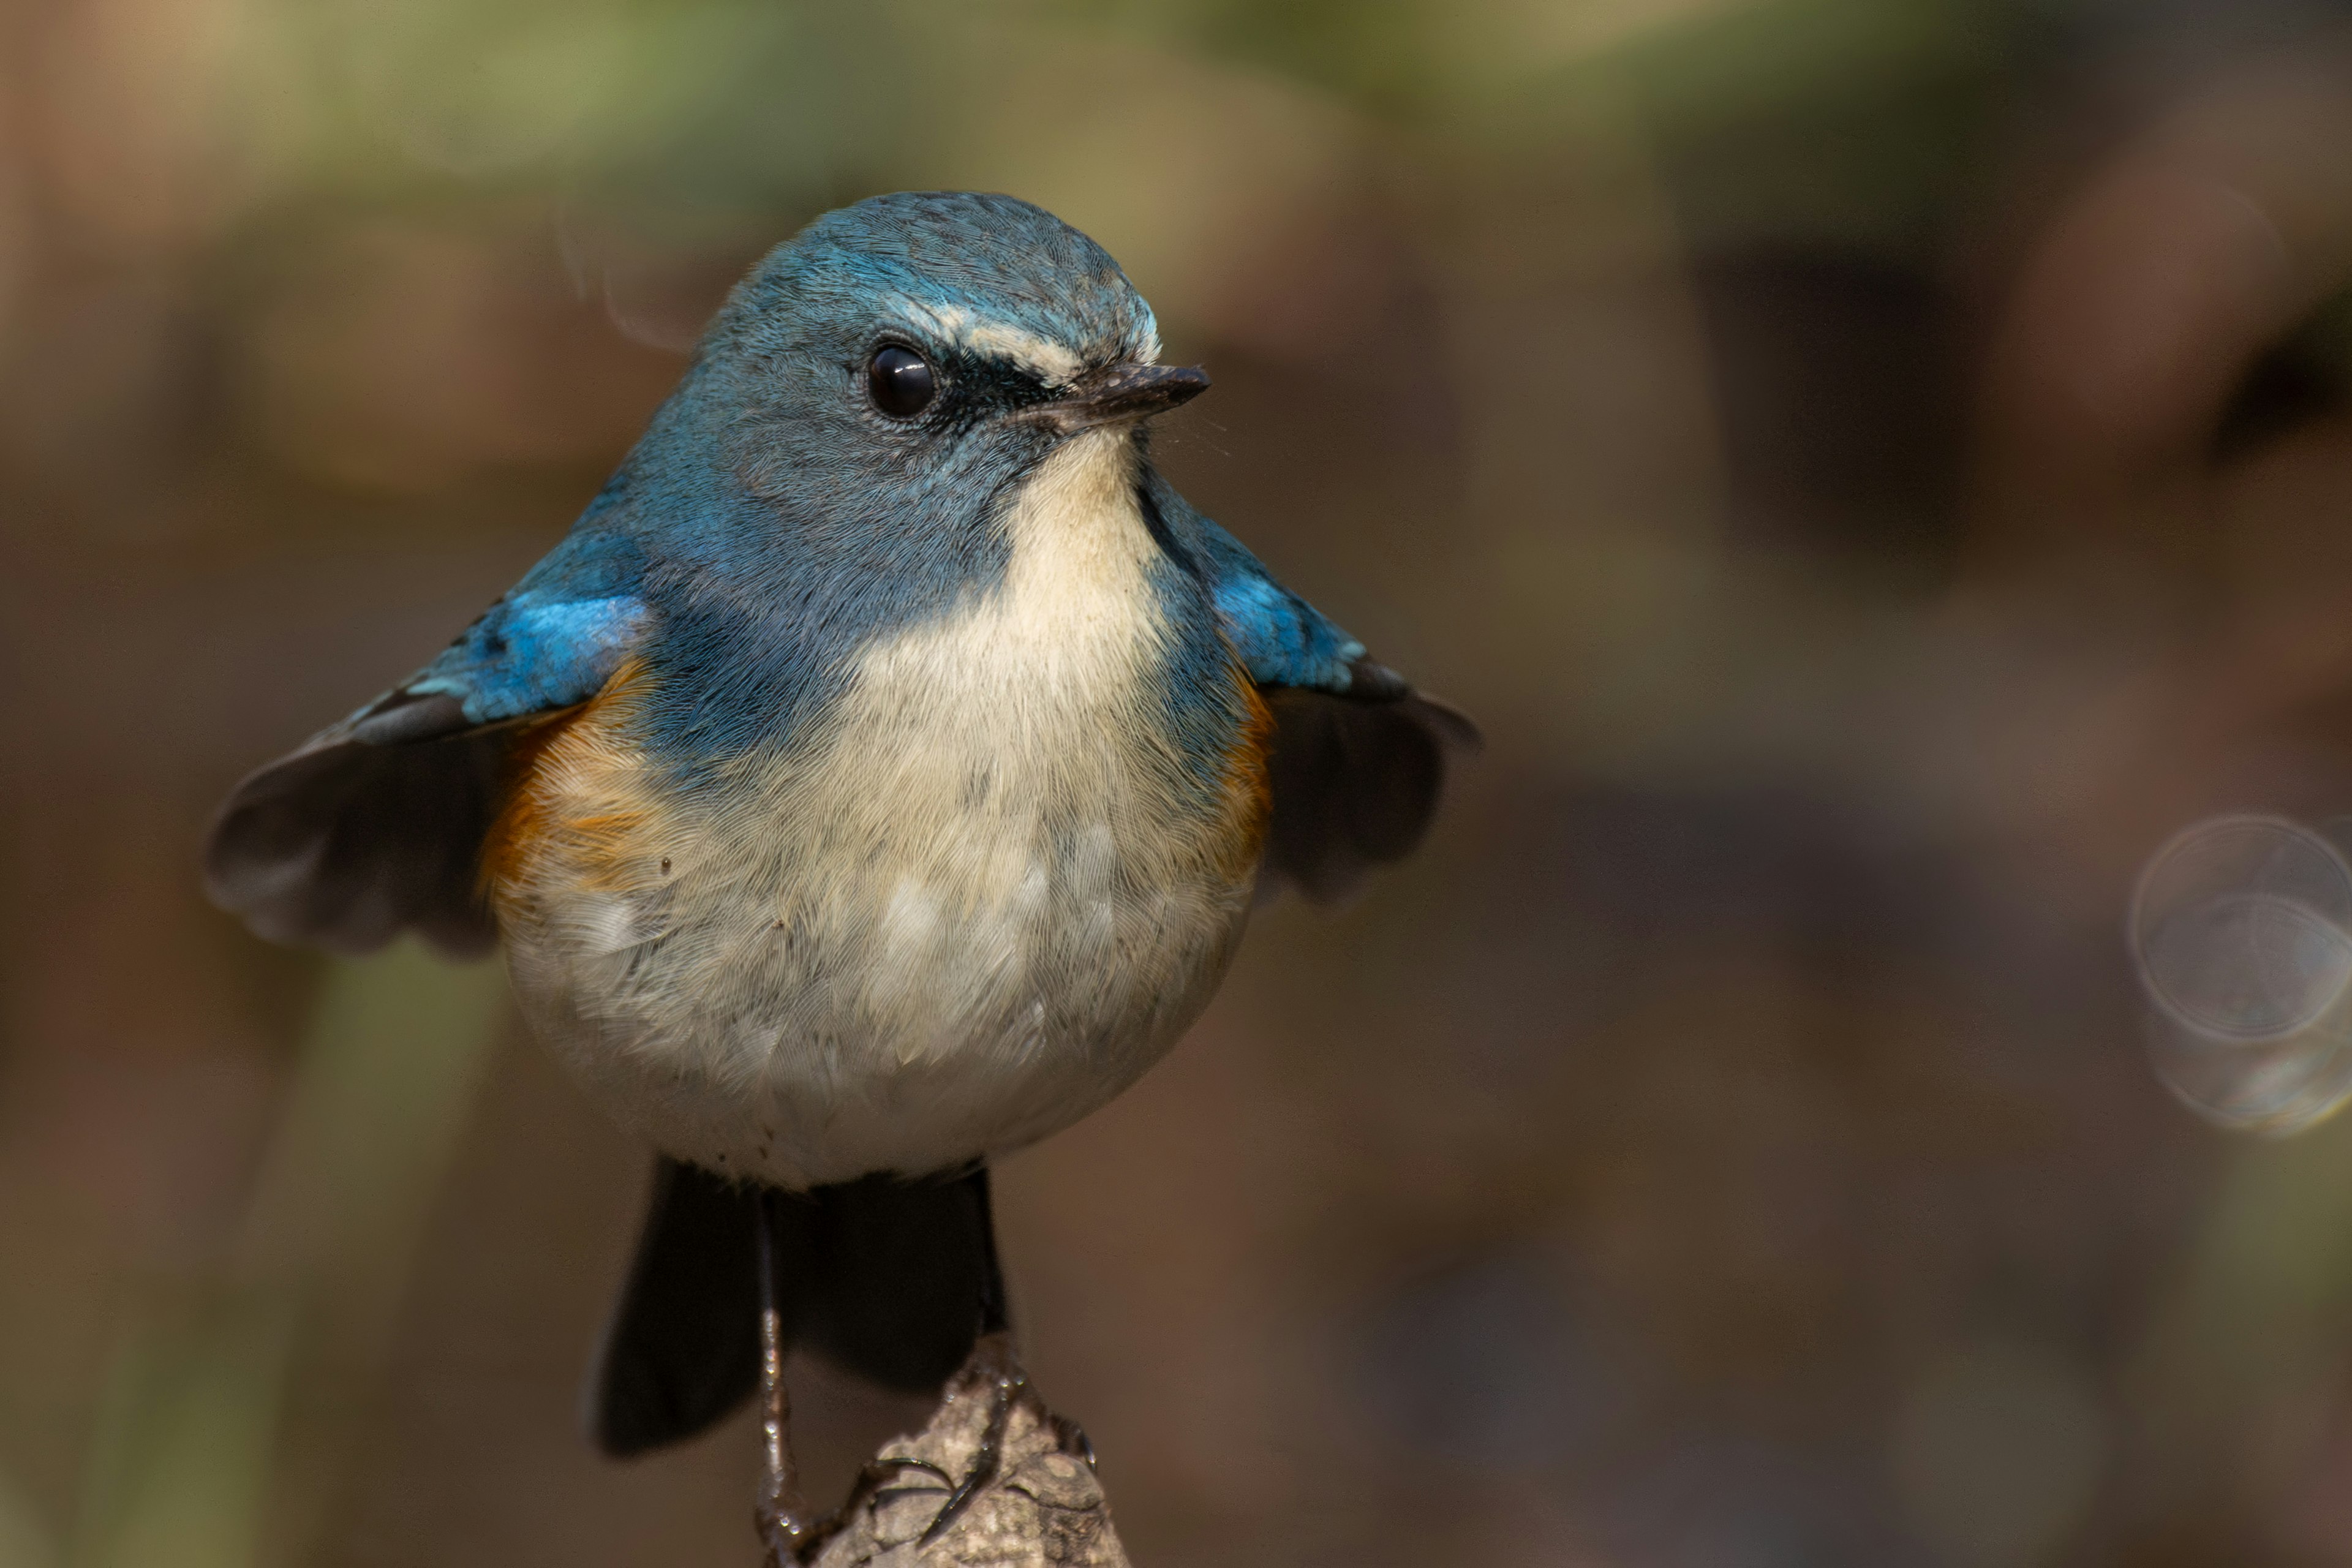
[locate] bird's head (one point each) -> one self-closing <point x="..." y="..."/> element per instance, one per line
<point x="893" y="371"/>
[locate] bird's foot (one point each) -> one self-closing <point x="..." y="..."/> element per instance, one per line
<point x="995" y="1477"/>
<point x="994" y="1374"/>
<point x="791" y="1538"/>
<point x="993" y="1415"/>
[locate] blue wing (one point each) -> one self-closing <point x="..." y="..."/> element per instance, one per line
<point x="1358" y="758"/>
<point x="375" y="826"/>
<point x="1283" y="640"/>
<point x="552" y="641"/>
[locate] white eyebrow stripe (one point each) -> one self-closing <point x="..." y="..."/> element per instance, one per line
<point x="1147" y="350"/>
<point x="1053" y="364"/>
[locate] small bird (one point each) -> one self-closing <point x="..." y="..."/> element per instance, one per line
<point x="873" y="781"/>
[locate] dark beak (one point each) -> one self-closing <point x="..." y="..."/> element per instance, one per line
<point x="1123" y="394"/>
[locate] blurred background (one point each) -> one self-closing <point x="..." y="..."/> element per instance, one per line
<point x="1878" y="468"/>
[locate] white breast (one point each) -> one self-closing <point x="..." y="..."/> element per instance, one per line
<point x="978" y="906"/>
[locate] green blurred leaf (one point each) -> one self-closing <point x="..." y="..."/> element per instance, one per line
<point x="179" y="1471"/>
<point x="23" y="1541"/>
<point x="196" y="1460"/>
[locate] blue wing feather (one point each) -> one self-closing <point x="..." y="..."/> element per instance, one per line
<point x="532" y="654"/>
<point x="1282" y="639"/>
<point x="376" y="825"/>
<point x="552" y="641"/>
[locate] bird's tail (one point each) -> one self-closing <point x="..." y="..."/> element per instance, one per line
<point x="892" y="1280"/>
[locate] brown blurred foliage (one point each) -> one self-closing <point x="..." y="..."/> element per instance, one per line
<point x="1876" y="467"/>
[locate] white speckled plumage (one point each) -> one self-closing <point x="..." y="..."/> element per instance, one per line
<point x="973" y="904"/>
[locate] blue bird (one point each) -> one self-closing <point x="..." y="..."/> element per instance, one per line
<point x="874" y="780"/>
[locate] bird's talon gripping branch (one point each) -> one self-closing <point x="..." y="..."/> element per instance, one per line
<point x="870" y="1488"/>
<point x="1071" y="1438"/>
<point x="1006" y="1388"/>
<point x="871" y="1492"/>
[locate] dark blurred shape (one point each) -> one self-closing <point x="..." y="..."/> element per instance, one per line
<point x="1841" y="396"/>
<point x="2301" y="380"/>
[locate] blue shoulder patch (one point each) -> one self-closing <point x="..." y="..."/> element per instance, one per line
<point x="1283" y="640"/>
<point x="554" y="639"/>
<point x="531" y="655"/>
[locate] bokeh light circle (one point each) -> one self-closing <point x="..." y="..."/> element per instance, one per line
<point x="2240" y="926"/>
<point x="2241" y="929"/>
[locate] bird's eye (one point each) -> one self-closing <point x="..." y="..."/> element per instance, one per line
<point x="900" y="382"/>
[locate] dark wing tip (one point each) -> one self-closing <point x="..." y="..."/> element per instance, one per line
<point x="1356" y="782"/>
<point x="1372" y="682"/>
<point x="1455" y="731"/>
<point x="344" y="844"/>
<point x="401" y="717"/>
<point x="1369" y="681"/>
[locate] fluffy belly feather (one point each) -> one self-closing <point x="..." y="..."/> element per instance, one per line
<point x="978" y="900"/>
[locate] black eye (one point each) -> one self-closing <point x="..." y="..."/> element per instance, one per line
<point x="900" y="382"/>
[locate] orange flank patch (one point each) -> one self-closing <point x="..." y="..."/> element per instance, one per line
<point x="1249" y="795"/>
<point x="573" y="803"/>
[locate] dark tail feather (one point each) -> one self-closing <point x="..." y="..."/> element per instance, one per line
<point x="683" y="1349"/>
<point x="905" y="1275"/>
<point x="892" y="1280"/>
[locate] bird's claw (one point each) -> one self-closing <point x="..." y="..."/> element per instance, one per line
<point x="1071" y="1438"/>
<point x="995" y="1374"/>
<point x="1007" y="1386"/>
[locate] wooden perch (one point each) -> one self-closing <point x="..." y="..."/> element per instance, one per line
<point x="1044" y="1506"/>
